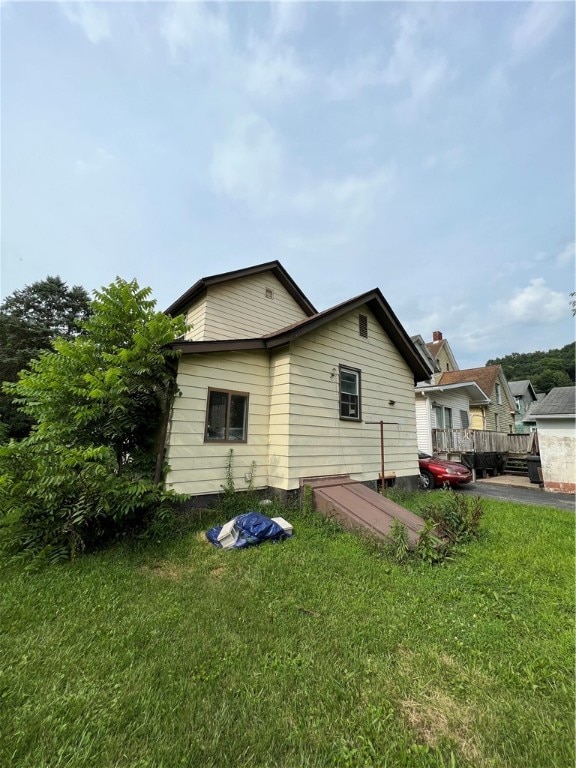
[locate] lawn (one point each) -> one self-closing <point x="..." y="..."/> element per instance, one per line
<point x="319" y="651"/>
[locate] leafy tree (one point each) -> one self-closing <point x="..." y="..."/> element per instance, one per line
<point x="550" y="378"/>
<point x="98" y="402"/>
<point x="545" y="370"/>
<point x="30" y="320"/>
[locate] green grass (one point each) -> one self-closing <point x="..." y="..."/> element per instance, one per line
<point x="315" y="652"/>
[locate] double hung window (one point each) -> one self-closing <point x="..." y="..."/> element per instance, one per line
<point x="350" y="406"/>
<point x="226" y="416"/>
<point x="443" y="417"/>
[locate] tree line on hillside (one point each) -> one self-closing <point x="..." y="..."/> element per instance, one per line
<point x="87" y="387"/>
<point x="545" y="370"/>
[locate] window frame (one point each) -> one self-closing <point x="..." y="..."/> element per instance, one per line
<point x="446" y="414"/>
<point x="358" y="373"/>
<point x="498" y="393"/>
<point x="227" y="439"/>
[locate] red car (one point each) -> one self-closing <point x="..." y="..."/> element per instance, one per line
<point x="437" y="472"/>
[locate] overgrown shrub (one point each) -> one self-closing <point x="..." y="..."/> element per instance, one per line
<point x="58" y="500"/>
<point x="450" y="519"/>
<point x="92" y="464"/>
<point x="456" y="517"/>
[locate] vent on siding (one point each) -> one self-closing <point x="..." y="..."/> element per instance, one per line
<point x="363" y="326"/>
<point x="269" y="293"/>
<point x="464" y="420"/>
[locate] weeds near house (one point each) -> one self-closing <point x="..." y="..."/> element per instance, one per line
<point x="233" y="501"/>
<point x="450" y="519"/>
<point x="398" y="545"/>
<point x="308" y="500"/>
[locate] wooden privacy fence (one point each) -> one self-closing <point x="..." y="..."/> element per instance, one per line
<point x="482" y="441"/>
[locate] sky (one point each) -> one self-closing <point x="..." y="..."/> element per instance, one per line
<point x="423" y="148"/>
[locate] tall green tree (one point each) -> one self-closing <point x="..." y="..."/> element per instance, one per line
<point x="545" y="370"/>
<point x="98" y="403"/>
<point x="30" y="320"/>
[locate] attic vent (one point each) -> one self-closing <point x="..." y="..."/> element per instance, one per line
<point x="363" y="326"/>
<point x="269" y="293"/>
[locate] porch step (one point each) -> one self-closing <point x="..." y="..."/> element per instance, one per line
<point x="516" y="465"/>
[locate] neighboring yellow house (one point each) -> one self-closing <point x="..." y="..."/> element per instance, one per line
<point x="294" y="392"/>
<point x="498" y="414"/>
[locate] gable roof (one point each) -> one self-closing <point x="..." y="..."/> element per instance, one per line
<point x="434" y="348"/>
<point x="200" y="287"/>
<point x="519" y="388"/>
<point x="486" y="377"/>
<point x="373" y="299"/>
<point x="560" y="401"/>
<point x="422" y="347"/>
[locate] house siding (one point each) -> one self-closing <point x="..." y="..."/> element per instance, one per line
<point x="505" y="417"/>
<point x="239" y="309"/>
<point x="279" y="443"/>
<point x="557" y="443"/>
<point x="322" y="444"/>
<point x="196" y="320"/>
<point x="456" y="402"/>
<point x="197" y="467"/>
<point x="423" y="424"/>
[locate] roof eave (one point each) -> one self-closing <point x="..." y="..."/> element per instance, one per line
<point x="200" y="286"/>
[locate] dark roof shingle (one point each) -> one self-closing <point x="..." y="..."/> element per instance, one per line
<point x="559" y="401"/>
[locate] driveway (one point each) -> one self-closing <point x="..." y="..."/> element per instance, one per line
<point x="535" y="495"/>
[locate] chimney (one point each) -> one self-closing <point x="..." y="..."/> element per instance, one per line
<point x="437" y="336"/>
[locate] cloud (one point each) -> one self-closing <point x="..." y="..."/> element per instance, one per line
<point x="197" y="28"/>
<point x="344" y="84"/>
<point x="536" y="303"/>
<point x="265" y="67"/>
<point x="567" y="255"/>
<point x="536" y="26"/>
<point x="92" y="18"/>
<point x="99" y="160"/>
<point x="287" y="16"/>
<point x="449" y="159"/>
<point x="420" y="69"/>
<point x="248" y="166"/>
<point x="272" y="71"/>
<point x="417" y="68"/>
<point x="252" y="166"/>
<point x="353" y="196"/>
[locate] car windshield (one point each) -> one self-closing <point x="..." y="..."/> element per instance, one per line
<point x="422" y="455"/>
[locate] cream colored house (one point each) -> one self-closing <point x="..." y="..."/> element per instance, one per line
<point x="294" y="392"/>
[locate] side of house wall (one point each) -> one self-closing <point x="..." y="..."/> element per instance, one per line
<point x="197" y="467"/>
<point x="557" y="441"/>
<point x="279" y="440"/>
<point x="323" y="444"/>
<point x="196" y="319"/>
<point x="241" y="309"/>
<point x="457" y="403"/>
<point x="504" y="411"/>
<point x="423" y="423"/>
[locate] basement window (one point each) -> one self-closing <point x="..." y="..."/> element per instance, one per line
<point x="363" y="326"/>
<point x="350" y="406"/>
<point x="226" y="416"/>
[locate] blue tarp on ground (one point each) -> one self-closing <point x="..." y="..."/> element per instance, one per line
<point x="253" y="528"/>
